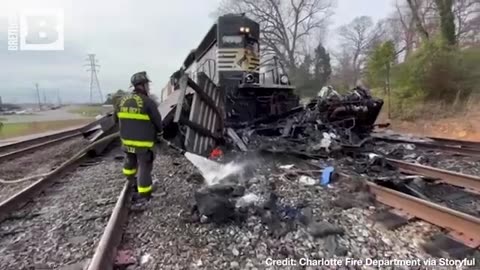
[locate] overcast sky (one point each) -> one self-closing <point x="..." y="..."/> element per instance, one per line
<point x="127" y="36"/>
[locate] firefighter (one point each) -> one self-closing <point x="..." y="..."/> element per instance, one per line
<point x="140" y="125"/>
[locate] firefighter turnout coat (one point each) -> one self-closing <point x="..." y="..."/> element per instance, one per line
<point x="140" y="122"/>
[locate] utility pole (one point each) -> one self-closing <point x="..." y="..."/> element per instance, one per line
<point x="44" y="97"/>
<point x="94" y="83"/>
<point x="38" y="97"/>
<point x="58" y="98"/>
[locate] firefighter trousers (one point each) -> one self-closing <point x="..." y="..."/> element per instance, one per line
<point x="143" y="163"/>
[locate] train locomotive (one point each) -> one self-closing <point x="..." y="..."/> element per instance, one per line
<point x="229" y="55"/>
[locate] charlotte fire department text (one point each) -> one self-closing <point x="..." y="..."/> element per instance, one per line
<point x="370" y="262"/>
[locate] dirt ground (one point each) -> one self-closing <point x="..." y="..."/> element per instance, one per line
<point x="465" y="126"/>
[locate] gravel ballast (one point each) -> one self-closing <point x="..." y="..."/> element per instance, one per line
<point x="340" y="226"/>
<point x="35" y="163"/>
<point x="429" y="157"/>
<point x="62" y="226"/>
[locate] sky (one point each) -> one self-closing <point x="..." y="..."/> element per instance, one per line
<point x="127" y="36"/>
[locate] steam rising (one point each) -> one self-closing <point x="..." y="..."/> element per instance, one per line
<point x="214" y="172"/>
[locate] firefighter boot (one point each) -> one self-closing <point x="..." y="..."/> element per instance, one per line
<point x="140" y="203"/>
<point x="132" y="183"/>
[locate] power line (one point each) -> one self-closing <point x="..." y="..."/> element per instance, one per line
<point x="94" y="83"/>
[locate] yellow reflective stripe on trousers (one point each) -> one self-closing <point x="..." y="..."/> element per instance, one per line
<point x="137" y="143"/>
<point x="144" y="189"/>
<point x="136" y="116"/>
<point x="129" y="172"/>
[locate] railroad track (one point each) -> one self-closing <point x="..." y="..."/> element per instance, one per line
<point x="460" y="226"/>
<point x="78" y="198"/>
<point x="13" y="150"/>
<point x="454" y="147"/>
<point x="468" y="182"/>
<point x="26" y="161"/>
<point x="104" y="257"/>
<point x="18" y="199"/>
<point x="456" y="143"/>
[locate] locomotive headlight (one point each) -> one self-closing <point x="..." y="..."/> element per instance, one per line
<point x="249" y="78"/>
<point x="245" y="29"/>
<point x="284" y="79"/>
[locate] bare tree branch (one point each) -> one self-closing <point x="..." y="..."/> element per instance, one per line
<point x="357" y="39"/>
<point x="467" y="20"/>
<point x="285" y="24"/>
<point x="419" y="21"/>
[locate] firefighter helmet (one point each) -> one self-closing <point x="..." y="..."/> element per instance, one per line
<point x="140" y="78"/>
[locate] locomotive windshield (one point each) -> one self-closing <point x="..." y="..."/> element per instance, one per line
<point x="233" y="41"/>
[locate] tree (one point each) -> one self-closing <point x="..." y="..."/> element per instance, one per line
<point x="416" y="10"/>
<point x="447" y="21"/>
<point x="402" y="29"/>
<point x="357" y="38"/>
<point x="314" y="72"/>
<point x="284" y="25"/>
<point x="303" y="77"/>
<point x="467" y="21"/>
<point x="379" y="68"/>
<point x="343" y="73"/>
<point x="113" y="98"/>
<point x="322" y="66"/>
<point x="379" y="65"/>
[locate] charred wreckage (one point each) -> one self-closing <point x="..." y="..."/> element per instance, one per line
<point x="222" y="96"/>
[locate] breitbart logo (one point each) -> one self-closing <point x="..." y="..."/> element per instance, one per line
<point x="36" y="30"/>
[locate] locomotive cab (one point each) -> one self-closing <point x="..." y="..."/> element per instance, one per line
<point x="229" y="55"/>
<point x="253" y="89"/>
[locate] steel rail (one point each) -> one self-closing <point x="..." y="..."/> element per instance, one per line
<point x="462" y="226"/>
<point x="456" y="150"/>
<point x="38" y="146"/>
<point x="469" y="182"/>
<point x="38" y="140"/>
<point x="457" y="143"/>
<point x="18" y="199"/>
<point x="22" y="197"/>
<point x="104" y="256"/>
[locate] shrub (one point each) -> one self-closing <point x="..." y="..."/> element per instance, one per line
<point x="435" y="73"/>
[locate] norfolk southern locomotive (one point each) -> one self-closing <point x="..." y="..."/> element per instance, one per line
<point x="230" y="56"/>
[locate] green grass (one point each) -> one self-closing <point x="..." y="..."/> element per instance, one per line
<point x="88" y="110"/>
<point x="10" y="130"/>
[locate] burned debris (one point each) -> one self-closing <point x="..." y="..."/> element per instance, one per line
<point x="327" y="125"/>
<point x="291" y="203"/>
<point x="331" y="125"/>
<point x="357" y="110"/>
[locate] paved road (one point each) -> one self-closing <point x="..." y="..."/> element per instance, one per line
<point x="36" y="135"/>
<point x="51" y="115"/>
